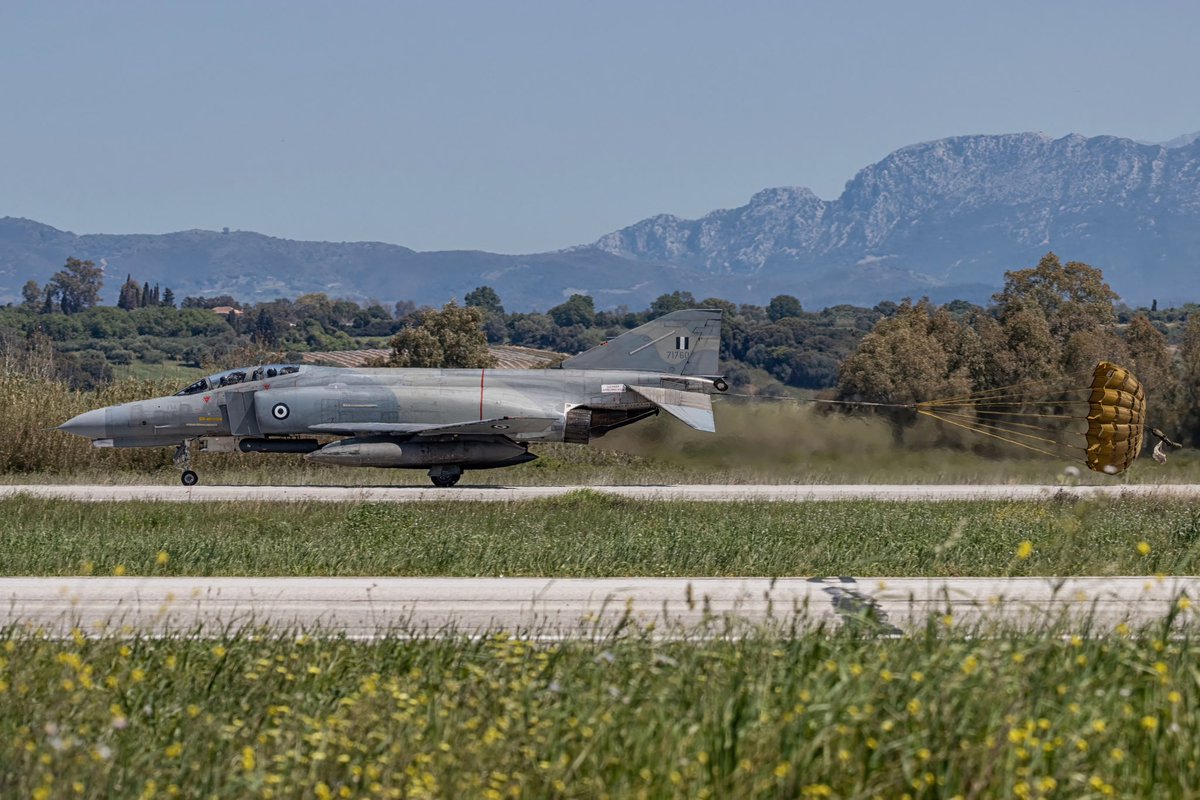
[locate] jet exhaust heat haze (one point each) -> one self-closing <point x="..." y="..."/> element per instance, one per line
<point x="442" y="420"/>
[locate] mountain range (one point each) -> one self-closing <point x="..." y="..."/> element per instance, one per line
<point x="943" y="219"/>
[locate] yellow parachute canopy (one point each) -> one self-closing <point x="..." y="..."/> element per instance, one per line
<point x="1102" y="424"/>
<point x="1116" y="419"/>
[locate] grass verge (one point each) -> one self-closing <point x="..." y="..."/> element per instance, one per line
<point x="935" y="715"/>
<point x="589" y="534"/>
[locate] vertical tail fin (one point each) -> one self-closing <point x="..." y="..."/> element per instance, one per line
<point x="680" y="343"/>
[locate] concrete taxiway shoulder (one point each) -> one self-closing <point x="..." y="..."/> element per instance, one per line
<point x="368" y="607"/>
<point x="706" y="492"/>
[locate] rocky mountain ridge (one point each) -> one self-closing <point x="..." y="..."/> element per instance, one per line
<point x="957" y="213"/>
<point x="944" y="218"/>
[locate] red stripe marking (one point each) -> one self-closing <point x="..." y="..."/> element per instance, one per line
<point x="481" y="373"/>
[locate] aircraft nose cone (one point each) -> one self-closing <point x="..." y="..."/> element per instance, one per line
<point x="89" y="424"/>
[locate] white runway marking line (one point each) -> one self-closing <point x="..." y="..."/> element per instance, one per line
<point x="711" y="493"/>
<point x="578" y="607"/>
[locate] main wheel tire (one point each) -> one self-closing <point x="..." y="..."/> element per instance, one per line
<point x="445" y="481"/>
<point x="189" y="478"/>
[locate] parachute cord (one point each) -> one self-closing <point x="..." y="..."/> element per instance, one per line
<point x="1004" y="424"/>
<point x="979" y="410"/>
<point x="910" y="406"/>
<point x="986" y="402"/>
<point x="996" y="426"/>
<point x="1002" y="389"/>
<point x="991" y="399"/>
<point x="986" y="432"/>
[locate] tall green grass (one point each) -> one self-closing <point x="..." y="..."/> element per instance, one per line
<point x="587" y="534"/>
<point x="944" y="714"/>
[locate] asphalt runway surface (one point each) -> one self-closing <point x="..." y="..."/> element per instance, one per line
<point x="713" y="492"/>
<point x="578" y="607"/>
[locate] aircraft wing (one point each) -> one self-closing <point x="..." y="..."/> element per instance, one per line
<point x="500" y="426"/>
<point x="694" y="409"/>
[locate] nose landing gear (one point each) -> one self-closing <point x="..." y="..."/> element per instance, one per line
<point x="183" y="460"/>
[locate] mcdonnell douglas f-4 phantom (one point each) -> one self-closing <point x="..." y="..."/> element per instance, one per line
<point x="443" y="420"/>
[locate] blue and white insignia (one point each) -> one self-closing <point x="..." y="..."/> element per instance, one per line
<point x="683" y="342"/>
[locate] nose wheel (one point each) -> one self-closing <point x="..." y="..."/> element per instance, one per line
<point x="183" y="460"/>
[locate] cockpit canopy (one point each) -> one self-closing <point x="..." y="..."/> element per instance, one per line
<point x="236" y="376"/>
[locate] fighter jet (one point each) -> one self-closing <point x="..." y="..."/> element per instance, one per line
<point x="442" y="420"/>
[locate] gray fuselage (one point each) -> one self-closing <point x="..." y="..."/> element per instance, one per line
<point x="291" y="405"/>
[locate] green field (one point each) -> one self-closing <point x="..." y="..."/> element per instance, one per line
<point x="166" y="372"/>
<point x="588" y="534"/>
<point x="937" y="715"/>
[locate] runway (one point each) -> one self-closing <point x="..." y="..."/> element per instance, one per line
<point x="556" y="608"/>
<point x="706" y="492"/>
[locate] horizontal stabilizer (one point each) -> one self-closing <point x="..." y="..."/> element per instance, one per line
<point x="501" y="426"/>
<point x="694" y="409"/>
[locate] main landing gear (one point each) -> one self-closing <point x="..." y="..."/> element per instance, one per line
<point x="183" y="460"/>
<point x="445" y="476"/>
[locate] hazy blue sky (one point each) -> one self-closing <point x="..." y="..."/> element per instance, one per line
<point x="519" y="127"/>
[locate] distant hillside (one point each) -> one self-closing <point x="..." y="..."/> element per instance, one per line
<point x="253" y="267"/>
<point x="949" y="217"/>
<point x="943" y="218"/>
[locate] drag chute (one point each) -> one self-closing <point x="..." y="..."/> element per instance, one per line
<point x="1102" y="424"/>
<point x="1116" y="419"/>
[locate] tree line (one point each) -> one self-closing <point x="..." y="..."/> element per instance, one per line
<point x="1049" y="320"/>
<point x="780" y="344"/>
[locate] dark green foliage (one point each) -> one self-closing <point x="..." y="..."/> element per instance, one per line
<point x="578" y="311"/>
<point x="484" y="297"/>
<point x="675" y="301"/>
<point x="75" y="287"/>
<point x="451" y="337"/>
<point x="782" y="306"/>
<point x="31" y="295"/>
